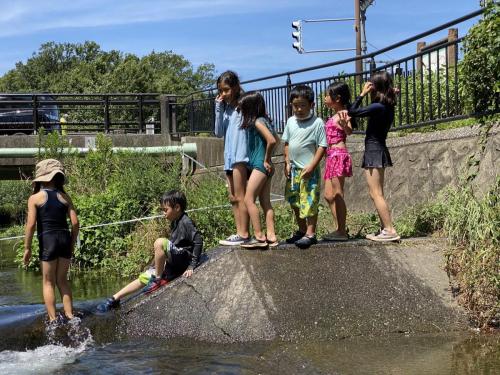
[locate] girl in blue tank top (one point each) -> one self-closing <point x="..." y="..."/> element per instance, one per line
<point x="261" y="142"/>
<point x="48" y="210"/>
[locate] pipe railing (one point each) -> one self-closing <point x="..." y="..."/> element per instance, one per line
<point x="428" y="81"/>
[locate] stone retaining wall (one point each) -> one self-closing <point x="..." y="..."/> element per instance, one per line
<point x="423" y="165"/>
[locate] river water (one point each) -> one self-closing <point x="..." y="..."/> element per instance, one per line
<point x="21" y="307"/>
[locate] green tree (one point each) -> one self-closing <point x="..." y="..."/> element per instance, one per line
<point x="481" y="66"/>
<point x="86" y="68"/>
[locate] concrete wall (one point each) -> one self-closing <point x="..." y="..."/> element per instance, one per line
<point x="334" y="291"/>
<point x="423" y="165"/>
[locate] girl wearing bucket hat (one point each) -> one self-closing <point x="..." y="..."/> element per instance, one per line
<point x="48" y="210"/>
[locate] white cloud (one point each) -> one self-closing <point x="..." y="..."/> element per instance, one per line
<point x="26" y="17"/>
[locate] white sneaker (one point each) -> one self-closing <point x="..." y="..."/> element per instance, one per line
<point x="234" y="240"/>
<point x="384" y="236"/>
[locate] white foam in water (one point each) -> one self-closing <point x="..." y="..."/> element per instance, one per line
<point x="48" y="358"/>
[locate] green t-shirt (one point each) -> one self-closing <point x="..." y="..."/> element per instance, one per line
<point x="304" y="138"/>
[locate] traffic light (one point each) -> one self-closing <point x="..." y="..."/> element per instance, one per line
<point x="297" y="35"/>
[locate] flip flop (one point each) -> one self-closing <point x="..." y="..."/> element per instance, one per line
<point x="254" y="244"/>
<point x="273" y="243"/>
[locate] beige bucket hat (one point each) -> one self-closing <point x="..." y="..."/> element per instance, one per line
<point x="47" y="169"/>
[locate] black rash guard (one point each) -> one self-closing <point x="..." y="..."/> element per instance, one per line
<point x="185" y="236"/>
<point x="380" y="117"/>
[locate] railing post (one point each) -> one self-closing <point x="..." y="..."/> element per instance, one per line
<point x="173" y="113"/>
<point x="106" y="113"/>
<point x="420" y="46"/>
<point x="164" y="114"/>
<point x="141" y="113"/>
<point x="452" y="49"/>
<point x="168" y="121"/>
<point x="36" y="122"/>
<point x="191" y="114"/>
<point x="287" y="100"/>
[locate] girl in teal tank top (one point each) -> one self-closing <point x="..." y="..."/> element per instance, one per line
<point x="261" y="141"/>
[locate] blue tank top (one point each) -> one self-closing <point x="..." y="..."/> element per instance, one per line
<point x="51" y="216"/>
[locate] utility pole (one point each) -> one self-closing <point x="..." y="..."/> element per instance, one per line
<point x="357" y="30"/>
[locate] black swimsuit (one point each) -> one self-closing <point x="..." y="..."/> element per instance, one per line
<point x="380" y="117"/>
<point x="52" y="228"/>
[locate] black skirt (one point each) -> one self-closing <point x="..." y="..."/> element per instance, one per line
<point x="376" y="156"/>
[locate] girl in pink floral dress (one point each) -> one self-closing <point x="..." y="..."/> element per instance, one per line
<point x="338" y="160"/>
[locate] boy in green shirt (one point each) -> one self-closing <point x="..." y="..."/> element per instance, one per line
<point x="305" y="145"/>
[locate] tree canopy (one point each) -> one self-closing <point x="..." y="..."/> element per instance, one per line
<point x="86" y="68"/>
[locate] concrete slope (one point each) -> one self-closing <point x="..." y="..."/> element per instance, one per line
<point x="326" y="292"/>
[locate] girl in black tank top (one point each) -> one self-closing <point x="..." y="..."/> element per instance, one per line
<point x="48" y="209"/>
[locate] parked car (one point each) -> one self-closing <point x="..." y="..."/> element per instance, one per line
<point x="16" y="114"/>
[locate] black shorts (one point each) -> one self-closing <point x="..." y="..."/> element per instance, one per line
<point x="177" y="264"/>
<point x="53" y="245"/>
<point x="230" y="172"/>
<point x="376" y="156"/>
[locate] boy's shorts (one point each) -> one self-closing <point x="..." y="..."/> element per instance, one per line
<point x="178" y="260"/>
<point x="303" y="194"/>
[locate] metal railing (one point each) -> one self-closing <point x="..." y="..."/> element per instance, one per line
<point x="79" y="113"/>
<point x="428" y="82"/>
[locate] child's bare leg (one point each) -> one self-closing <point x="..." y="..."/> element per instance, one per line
<point x="255" y="184"/>
<point x="49" y="281"/>
<point x="265" y="203"/>
<point x="160" y="256"/>
<point x="240" y="182"/>
<point x="302" y="223"/>
<point x="375" y="180"/>
<point x="64" y="287"/>
<point x="330" y="198"/>
<point x="339" y="205"/>
<point x="234" y="202"/>
<point x="130" y="288"/>
<point x="311" y="225"/>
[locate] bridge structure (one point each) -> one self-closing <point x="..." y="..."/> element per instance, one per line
<point x="428" y="83"/>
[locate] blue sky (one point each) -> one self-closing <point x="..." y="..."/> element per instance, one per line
<point x="252" y="37"/>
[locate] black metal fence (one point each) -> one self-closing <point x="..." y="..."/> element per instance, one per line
<point x="428" y="81"/>
<point x="79" y="113"/>
<point x="429" y="86"/>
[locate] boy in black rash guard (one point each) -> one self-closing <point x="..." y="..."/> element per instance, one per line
<point x="376" y="157"/>
<point x="176" y="256"/>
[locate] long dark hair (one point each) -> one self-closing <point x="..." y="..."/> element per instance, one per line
<point x="384" y="91"/>
<point x="58" y="181"/>
<point x="341" y="89"/>
<point x="231" y="79"/>
<point x="252" y="106"/>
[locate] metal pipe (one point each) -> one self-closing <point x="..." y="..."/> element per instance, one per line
<point x="16" y="152"/>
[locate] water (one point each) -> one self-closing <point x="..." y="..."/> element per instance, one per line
<point x="74" y="350"/>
